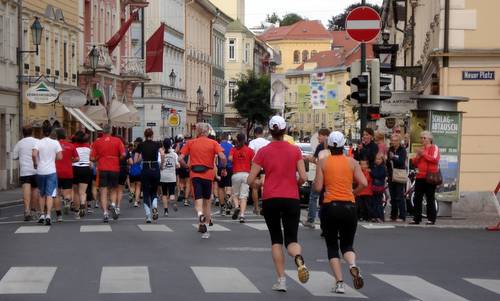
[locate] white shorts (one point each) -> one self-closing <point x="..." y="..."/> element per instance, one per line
<point x="240" y="187"/>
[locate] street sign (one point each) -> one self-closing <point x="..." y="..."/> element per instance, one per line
<point x="363" y="24"/>
<point x="151" y="124"/>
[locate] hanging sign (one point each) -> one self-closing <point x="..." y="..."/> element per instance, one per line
<point x="73" y="98"/>
<point x="42" y="93"/>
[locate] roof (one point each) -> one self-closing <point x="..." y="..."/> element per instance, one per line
<point x="236" y="26"/>
<point x="302" y="30"/>
<point x="325" y="59"/>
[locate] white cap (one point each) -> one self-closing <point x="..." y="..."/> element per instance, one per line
<point x="336" y="139"/>
<point x="278" y="121"/>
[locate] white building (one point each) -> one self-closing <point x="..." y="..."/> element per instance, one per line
<point x="9" y="109"/>
<point x="165" y="94"/>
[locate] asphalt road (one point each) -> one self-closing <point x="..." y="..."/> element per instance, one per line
<point x="125" y="262"/>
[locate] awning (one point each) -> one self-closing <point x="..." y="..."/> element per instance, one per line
<point x="96" y="113"/>
<point x="118" y="109"/>
<point x="127" y="120"/>
<point x="83" y="119"/>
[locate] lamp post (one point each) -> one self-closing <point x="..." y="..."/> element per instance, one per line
<point x="200" y="107"/>
<point x="216" y="100"/>
<point x="36" y="34"/>
<point x="93" y="58"/>
<point x="172" y="77"/>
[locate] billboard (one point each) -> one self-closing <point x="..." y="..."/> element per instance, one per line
<point x="278" y="89"/>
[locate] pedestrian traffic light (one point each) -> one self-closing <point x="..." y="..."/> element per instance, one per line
<point x="362" y="83"/>
<point x="373" y="113"/>
<point x="354" y="71"/>
<point x="385" y="91"/>
<point x="378" y="83"/>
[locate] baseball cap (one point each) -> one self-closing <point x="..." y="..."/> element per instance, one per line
<point x="277" y="121"/>
<point x="336" y="139"/>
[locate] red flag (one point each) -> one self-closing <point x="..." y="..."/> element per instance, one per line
<point x="154" y="51"/>
<point x="118" y="36"/>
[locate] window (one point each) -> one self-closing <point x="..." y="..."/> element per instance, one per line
<point x="305" y="55"/>
<point x="48" y="57"/>
<point x="247" y="52"/>
<point x="65" y="59"/>
<point x="57" y="58"/>
<point x="232" y="90"/>
<point x="1" y="37"/>
<point x="232" y="45"/>
<point x="313" y="53"/>
<point x="296" y="57"/>
<point x="316" y="117"/>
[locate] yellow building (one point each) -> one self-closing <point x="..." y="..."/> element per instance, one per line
<point x="57" y="59"/>
<point x="457" y="49"/>
<point x="297" y="43"/>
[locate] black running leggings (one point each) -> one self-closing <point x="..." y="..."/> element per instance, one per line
<point x="338" y="222"/>
<point x="286" y="211"/>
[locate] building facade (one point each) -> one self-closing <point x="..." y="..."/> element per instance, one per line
<point x="451" y="42"/>
<point x="165" y="94"/>
<point x="9" y="109"/>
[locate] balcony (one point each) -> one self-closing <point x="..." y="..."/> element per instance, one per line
<point x="105" y="62"/>
<point x="133" y="68"/>
<point x="135" y="3"/>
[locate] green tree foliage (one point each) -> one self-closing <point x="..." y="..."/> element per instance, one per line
<point x="251" y="100"/>
<point x="338" y="22"/>
<point x="290" y="19"/>
<point x="273" y="18"/>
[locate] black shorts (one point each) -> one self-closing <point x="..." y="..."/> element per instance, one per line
<point x="202" y="188"/>
<point x="134" y="179"/>
<point x="225" y="181"/>
<point x="29" y="180"/>
<point x="278" y="211"/>
<point x="108" y="179"/>
<point x="82" y="174"/>
<point x="122" y="177"/>
<point x="168" y="189"/>
<point x="64" y="183"/>
<point x="183" y="173"/>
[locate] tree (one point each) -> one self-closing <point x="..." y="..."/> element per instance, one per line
<point x="273" y="19"/>
<point x="251" y="100"/>
<point x="338" y="22"/>
<point x="290" y="19"/>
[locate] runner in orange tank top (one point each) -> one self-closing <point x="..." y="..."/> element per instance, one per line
<point x="336" y="174"/>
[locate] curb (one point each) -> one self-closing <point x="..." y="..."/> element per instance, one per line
<point x="11" y="203"/>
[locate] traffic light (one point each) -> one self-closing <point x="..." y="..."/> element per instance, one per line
<point x="362" y="83"/>
<point x="385" y="92"/>
<point x="373" y="113"/>
<point x="354" y="71"/>
<point x="379" y="91"/>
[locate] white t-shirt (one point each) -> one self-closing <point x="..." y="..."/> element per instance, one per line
<point x="47" y="151"/>
<point x="257" y="144"/>
<point x="23" y="151"/>
<point x="168" y="168"/>
<point x="84" y="155"/>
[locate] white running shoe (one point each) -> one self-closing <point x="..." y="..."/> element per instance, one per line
<point x="205" y="235"/>
<point x="280" y="286"/>
<point x="339" y="288"/>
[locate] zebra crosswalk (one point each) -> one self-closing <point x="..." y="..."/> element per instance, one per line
<point x="229" y="280"/>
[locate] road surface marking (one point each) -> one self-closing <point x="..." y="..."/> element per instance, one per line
<point x="489" y="284"/>
<point x="376" y="227"/>
<point x="419" y="288"/>
<point x="246" y="249"/>
<point x="127" y="279"/>
<point x="32" y="229"/>
<point x="257" y="226"/>
<point x="27" y="280"/>
<point x="320" y="285"/>
<point x="223" y="280"/>
<point x="155" y="228"/>
<point x="95" y="228"/>
<point x="215" y="227"/>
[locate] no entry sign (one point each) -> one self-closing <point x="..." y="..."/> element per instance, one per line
<point x="363" y="24"/>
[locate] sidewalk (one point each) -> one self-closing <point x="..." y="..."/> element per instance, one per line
<point x="11" y="197"/>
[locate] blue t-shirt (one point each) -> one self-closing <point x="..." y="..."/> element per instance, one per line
<point x="226" y="146"/>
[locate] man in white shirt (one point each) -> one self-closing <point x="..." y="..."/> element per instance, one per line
<point x="27" y="175"/>
<point x="256" y="144"/>
<point x="45" y="154"/>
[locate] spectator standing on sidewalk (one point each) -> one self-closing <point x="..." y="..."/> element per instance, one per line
<point x="45" y="153"/>
<point x="23" y="151"/>
<point x="314" y="196"/>
<point x="378" y="174"/>
<point x="363" y="198"/>
<point x="368" y="149"/>
<point x="396" y="160"/>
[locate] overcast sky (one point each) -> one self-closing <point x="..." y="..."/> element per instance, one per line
<point x="256" y="10"/>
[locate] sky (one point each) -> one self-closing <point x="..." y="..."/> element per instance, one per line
<point x="257" y="10"/>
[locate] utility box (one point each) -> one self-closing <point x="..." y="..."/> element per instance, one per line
<point x="438" y="115"/>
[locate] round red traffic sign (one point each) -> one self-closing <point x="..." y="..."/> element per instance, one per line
<point x="363" y="24"/>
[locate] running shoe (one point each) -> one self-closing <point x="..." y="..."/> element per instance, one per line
<point x="205" y="235"/>
<point x="222" y="211"/>
<point x="210" y="224"/>
<point x="357" y="280"/>
<point x="235" y="213"/>
<point x="242" y="219"/>
<point x="66" y="206"/>
<point x="105" y="219"/>
<point x="81" y="212"/>
<point x="96" y="204"/>
<point x="148" y="220"/>
<point x="155" y="214"/>
<point x="114" y="212"/>
<point x="131" y="197"/>
<point x="309" y="225"/>
<point x="27" y="217"/>
<point x="339" y="288"/>
<point x="175" y="207"/>
<point x="202" y="228"/>
<point x="41" y="219"/>
<point x="165" y="212"/>
<point x="186" y="203"/>
<point x="136" y="204"/>
<point x="47" y="221"/>
<point x="302" y="270"/>
<point x="59" y="219"/>
<point x="280" y="286"/>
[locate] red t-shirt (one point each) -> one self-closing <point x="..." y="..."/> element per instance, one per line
<point x="242" y="159"/>
<point x="64" y="167"/>
<point x="279" y="161"/>
<point x="368" y="189"/>
<point x="202" y="151"/>
<point x="107" y="151"/>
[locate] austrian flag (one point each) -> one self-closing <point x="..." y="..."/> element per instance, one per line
<point x="154" y="51"/>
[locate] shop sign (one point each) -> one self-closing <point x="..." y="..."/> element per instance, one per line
<point x="151" y="124"/>
<point x="174" y="120"/>
<point x="73" y="98"/>
<point x="478" y="75"/>
<point x="42" y="93"/>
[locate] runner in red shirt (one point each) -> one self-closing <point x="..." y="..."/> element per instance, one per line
<point x="64" y="169"/>
<point x="241" y="156"/>
<point x="202" y="152"/>
<point x="107" y="151"/>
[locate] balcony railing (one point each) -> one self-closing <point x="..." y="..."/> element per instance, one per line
<point x="105" y="61"/>
<point x="133" y="67"/>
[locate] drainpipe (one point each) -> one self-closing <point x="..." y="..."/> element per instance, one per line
<point x="142" y="49"/>
<point x="412" y="54"/>
<point x="20" y="63"/>
<point x="446" y="33"/>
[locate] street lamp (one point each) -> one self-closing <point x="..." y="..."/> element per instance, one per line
<point x="385" y="37"/>
<point x="172" y="77"/>
<point x="199" y="94"/>
<point x="94" y="58"/>
<point x="216" y="99"/>
<point x="36" y="33"/>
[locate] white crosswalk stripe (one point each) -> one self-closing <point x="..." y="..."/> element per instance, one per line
<point x="95" y="228"/>
<point x="155" y="228"/>
<point x="32" y="229"/>
<point x="320" y="285"/>
<point x="419" y="288"/>
<point x="215" y="227"/>
<point x="257" y="226"/>
<point x="377" y="226"/>
<point x="120" y="280"/>
<point x="27" y="280"/>
<point x="223" y="280"/>
<point x="489" y="284"/>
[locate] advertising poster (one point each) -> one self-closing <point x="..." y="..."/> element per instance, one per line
<point x="446" y="128"/>
<point x="332" y="102"/>
<point x="304" y="98"/>
<point x="418" y="124"/>
<point x="318" y="91"/>
<point x="278" y="89"/>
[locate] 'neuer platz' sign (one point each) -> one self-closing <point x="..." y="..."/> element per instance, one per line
<point x="478" y="75"/>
